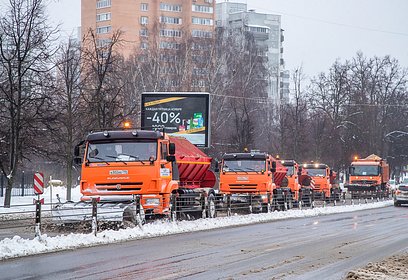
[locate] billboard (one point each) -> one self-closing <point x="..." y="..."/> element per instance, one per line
<point x="185" y="114"/>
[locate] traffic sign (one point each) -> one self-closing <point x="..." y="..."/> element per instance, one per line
<point x="38" y="183"/>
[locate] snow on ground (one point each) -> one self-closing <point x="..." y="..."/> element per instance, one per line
<point x="18" y="246"/>
<point x="25" y="203"/>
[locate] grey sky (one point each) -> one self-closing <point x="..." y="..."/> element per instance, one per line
<point x="317" y="32"/>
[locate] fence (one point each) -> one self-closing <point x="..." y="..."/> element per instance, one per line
<point x="23" y="184"/>
<point x="94" y="216"/>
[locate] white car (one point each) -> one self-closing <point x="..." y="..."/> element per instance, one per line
<point x="401" y="193"/>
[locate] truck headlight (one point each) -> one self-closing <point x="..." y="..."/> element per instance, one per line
<point x="152" y="201"/>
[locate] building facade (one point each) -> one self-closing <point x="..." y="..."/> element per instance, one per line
<point x="139" y="21"/>
<point x="267" y="32"/>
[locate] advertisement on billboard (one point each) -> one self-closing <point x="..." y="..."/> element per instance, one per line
<point x="179" y="113"/>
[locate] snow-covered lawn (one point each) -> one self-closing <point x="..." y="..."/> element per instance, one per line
<point x="25" y="203"/>
<point x="18" y="246"/>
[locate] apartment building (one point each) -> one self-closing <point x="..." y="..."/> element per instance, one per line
<point x="168" y="21"/>
<point x="267" y="32"/>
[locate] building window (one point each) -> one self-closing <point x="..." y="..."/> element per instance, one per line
<point x="170" y="20"/>
<point x="103" y="4"/>
<point x="103" y="17"/>
<point x="258" y="29"/>
<point x="103" y="29"/>
<point x="202" y="21"/>
<point x="169" y="45"/>
<point x="203" y="9"/>
<point x="170" y="33"/>
<point x="199" y="83"/>
<point x="103" y="42"/>
<point x="144" y="7"/>
<point x="201" y="34"/>
<point x="144" y="32"/>
<point x="144" y="45"/>
<point x="144" y="20"/>
<point x="170" y="7"/>
<point x="200" y="71"/>
<point x="208" y="1"/>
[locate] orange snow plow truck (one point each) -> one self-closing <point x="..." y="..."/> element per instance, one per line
<point x="368" y="177"/>
<point x="165" y="173"/>
<point x="322" y="183"/>
<point x="251" y="176"/>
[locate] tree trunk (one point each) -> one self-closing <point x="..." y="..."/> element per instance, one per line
<point x="7" y="197"/>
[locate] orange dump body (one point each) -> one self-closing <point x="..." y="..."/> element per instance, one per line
<point x="193" y="165"/>
<point x="280" y="172"/>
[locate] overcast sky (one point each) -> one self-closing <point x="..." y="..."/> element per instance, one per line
<point x="317" y="32"/>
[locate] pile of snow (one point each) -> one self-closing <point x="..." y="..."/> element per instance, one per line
<point x="18" y="246"/>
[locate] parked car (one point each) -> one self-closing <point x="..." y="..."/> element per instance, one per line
<point x="401" y="193"/>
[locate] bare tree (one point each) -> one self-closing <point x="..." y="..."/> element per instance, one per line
<point x="68" y="110"/>
<point x="25" y="51"/>
<point x="103" y="85"/>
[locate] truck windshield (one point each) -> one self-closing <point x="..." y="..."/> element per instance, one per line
<point x="244" y="165"/>
<point x="121" y="151"/>
<point x="364" y="170"/>
<point x="290" y="170"/>
<point x="317" y="172"/>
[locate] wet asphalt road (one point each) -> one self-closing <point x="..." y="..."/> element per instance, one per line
<point x="325" y="247"/>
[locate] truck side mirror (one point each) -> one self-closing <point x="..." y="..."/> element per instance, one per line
<point x="77" y="156"/>
<point x="172" y="148"/>
<point x="171" y="158"/>
<point x="331" y="173"/>
<point x="76" y="151"/>
<point x="273" y="169"/>
<point x="351" y="170"/>
<point x="217" y="166"/>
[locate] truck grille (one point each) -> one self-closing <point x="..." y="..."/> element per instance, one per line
<point x="133" y="186"/>
<point x="364" y="182"/>
<point x="243" y="187"/>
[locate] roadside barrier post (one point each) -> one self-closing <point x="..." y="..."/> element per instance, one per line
<point x="94" y="216"/>
<point x="173" y="212"/>
<point x="38" y="217"/>
<point x="228" y="205"/>
<point x="203" y="208"/>
<point x="138" y="217"/>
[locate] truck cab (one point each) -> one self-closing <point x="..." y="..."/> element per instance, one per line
<point x="246" y="173"/>
<point x="368" y="176"/>
<point x="321" y="181"/>
<point x="120" y="164"/>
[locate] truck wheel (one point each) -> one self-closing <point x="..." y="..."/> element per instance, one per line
<point x="397" y="204"/>
<point x="211" y="208"/>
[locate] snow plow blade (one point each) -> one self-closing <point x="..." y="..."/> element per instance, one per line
<point x="77" y="212"/>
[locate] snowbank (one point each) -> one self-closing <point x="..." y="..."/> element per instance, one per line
<point x="18" y="246"/>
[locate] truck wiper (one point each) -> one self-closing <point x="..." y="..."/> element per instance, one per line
<point x="252" y="169"/>
<point x="117" y="159"/>
<point x="99" y="158"/>
<point x="242" y="170"/>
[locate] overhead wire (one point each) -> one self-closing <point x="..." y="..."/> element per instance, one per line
<point x="332" y="22"/>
